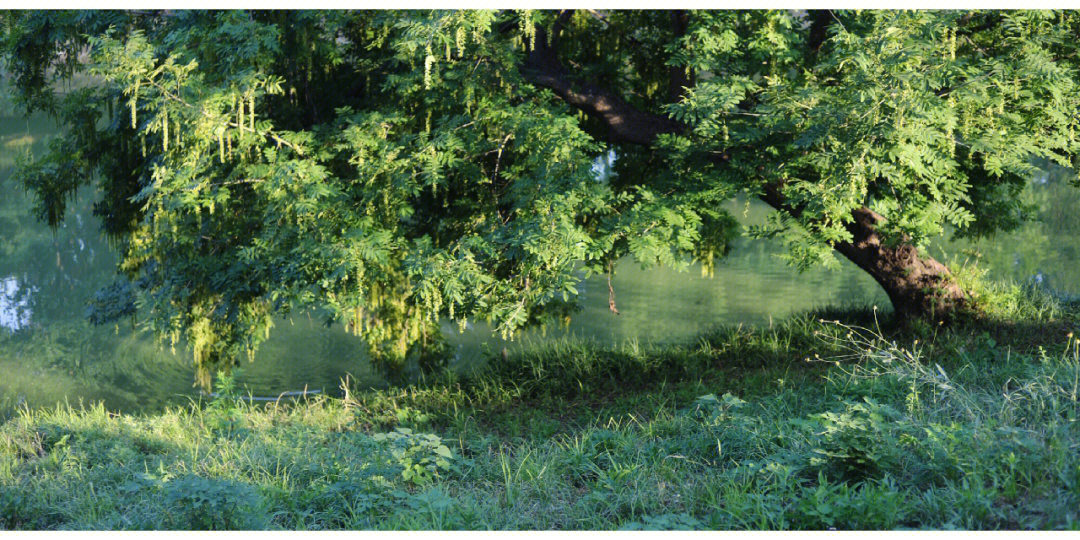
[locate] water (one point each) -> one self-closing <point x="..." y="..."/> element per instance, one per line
<point x="50" y="354"/>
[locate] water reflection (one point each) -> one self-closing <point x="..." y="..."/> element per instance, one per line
<point x="1044" y="252"/>
<point x="14" y="313"/>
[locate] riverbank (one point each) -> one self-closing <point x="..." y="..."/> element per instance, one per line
<point x="807" y="424"/>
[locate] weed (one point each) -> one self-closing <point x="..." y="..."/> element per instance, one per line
<point x="421" y="456"/>
<point x="195" y="502"/>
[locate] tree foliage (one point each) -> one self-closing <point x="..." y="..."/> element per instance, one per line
<point x="390" y="169"/>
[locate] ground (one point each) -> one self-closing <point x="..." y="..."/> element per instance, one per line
<point x="834" y="419"/>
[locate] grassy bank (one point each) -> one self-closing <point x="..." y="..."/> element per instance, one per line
<point x="808" y="424"/>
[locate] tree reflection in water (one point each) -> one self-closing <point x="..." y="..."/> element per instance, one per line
<point x="49" y="352"/>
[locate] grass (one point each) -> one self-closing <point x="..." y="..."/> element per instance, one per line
<point x="805" y="425"/>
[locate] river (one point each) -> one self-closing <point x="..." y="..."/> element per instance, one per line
<point x="50" y="354"/>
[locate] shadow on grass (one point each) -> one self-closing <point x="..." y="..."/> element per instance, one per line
<point x="558" y="386"/>
<point x="572" y="425"/>
<point x="292" y="467"/>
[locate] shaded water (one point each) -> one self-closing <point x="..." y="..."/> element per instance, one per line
<point x="50" y="354"/>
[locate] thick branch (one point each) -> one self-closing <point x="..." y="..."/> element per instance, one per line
<point x="679" y="78"/>
<point x="819" y="25"/>
<point x="916" y="285"/>
<point x="627" y="124"/>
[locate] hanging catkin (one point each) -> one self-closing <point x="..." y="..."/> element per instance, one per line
<point x="165" y="130"/>
<point x="251" y="112"/>
<point x="945" y="49"/>
<point x="134" y="99"/>
<point x="429" y="60"/>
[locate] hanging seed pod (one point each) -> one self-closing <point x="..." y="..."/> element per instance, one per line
<point x="429" y="60"/>
<point x="165" y="130"/>
<point x="240" y="118"/>
<point x="530" y="28"/>
<point x="950" y="43"/>
<point x="228" y="143"/>
<point x="134" y="99"/>
<point x="945" y="43"/>
<point x="221" y="148"/>
<point x="251" y="104"/>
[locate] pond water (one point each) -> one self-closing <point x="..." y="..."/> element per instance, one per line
<point x="50" y="354"/>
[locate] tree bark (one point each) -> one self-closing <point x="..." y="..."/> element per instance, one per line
<point x="917" y="285"/>
<point x="679" y="78"/>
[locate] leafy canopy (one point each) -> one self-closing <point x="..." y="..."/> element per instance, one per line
<point x="389" y="169"/>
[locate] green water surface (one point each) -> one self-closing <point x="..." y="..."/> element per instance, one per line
<point x="50" y="354"/>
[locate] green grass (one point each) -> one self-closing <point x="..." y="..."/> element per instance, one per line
<point x="805" y="425"/>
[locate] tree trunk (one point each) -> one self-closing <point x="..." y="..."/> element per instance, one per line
<point x="917" y="285"/>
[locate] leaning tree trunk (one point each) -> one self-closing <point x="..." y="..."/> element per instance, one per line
<point x="917" y="285"/>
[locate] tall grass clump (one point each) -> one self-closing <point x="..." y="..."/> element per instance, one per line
<point x="989" y="441"/>
<point x="1007" y="301"/>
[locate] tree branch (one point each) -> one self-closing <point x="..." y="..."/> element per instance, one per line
<point x="679" y="78"/>
<point x="819" y="25"/>
<point x="630" y="125"/>
<point x="626" y="123"/>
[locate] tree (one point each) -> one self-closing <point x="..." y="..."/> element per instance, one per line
<point x="387" y="169"/>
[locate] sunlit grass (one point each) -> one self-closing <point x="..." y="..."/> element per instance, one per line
<point x="807" y="424"/>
